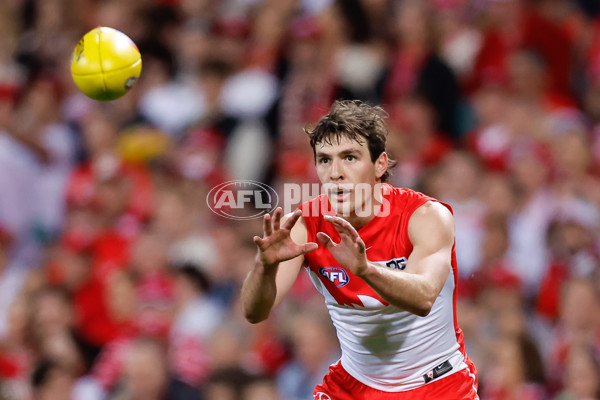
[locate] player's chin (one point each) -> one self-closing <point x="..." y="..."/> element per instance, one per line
<point x="344" y="208"/>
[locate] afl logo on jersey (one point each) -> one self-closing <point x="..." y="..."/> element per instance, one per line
<point x="338" y="276"/>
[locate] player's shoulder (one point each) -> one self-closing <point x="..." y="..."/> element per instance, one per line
<point x="430" y="219"/>
<point x="404" y="193"/>
<point x="433" y="208"/>
<point x="405" y="201"/>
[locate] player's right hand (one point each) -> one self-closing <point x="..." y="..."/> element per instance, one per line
<point x="277" y="245"/>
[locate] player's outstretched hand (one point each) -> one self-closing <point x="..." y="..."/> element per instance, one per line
<point x="277" y="245"/>
<point x="350" y="251"/>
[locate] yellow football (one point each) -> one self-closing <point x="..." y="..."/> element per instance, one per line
<point x="106" y="63"/>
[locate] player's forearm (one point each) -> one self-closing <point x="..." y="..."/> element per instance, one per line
<point x="410" y="292"/>
<point x="259" y="292"/>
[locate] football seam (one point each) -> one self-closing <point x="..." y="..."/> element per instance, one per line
<point x="112" y="70"/>
<point x="100" y="59"/>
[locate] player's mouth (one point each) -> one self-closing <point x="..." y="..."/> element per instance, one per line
<point x="340" y="193"/>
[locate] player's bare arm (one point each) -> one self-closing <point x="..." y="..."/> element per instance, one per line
<point x="431" y="231"/>
<point x="279" y="258"/>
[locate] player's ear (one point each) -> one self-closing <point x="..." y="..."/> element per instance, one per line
<point x="381" y="165"/>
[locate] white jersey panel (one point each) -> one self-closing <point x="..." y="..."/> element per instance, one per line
<point x="390" y="349"/>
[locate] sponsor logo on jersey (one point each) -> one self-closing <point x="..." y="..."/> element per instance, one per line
<point x="321" y="396"/>
<point x="397" y="263"/>
<point x="338" y="276"/>
<point x="438" y="371"/>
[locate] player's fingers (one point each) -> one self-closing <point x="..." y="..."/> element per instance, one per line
<point x="325" y="239"/>
<point x="342" y="226"/>
<point x="267" y="225"/>
<point x="277" y="218"/>
<point x="361" y="245"/>
<point x="337" y="226"/>
<point x="308" y="247"/>
<point x="335" y="220"/>
<point x="291" y="221"/>
<point x="342" y="222"/>
<point x="350" y="230"/>
<point x="258" y="241"/>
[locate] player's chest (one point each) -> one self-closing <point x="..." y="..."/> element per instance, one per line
<point x="383" y="247"/>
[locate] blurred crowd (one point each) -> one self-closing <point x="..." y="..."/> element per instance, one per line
<point x="118" y="283"/>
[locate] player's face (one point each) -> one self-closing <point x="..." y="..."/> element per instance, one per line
<point x="346" y="170"/>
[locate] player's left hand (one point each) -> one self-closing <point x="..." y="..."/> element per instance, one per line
<point x="350" y="251"/>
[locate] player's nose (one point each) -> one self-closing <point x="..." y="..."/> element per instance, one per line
<point x="337" y="171"/>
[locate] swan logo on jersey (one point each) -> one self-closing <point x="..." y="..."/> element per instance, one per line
<point x="321" y="396"/>
<point x="338" y="276"/>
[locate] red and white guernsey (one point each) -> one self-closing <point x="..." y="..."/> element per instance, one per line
<point x="384" y="347"/>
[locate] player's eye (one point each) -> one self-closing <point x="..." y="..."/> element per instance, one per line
<point x="323" y="160"/>
<point x="350" y="158"/>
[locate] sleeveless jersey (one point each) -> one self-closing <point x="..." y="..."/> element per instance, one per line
<point x="384" y="347"/>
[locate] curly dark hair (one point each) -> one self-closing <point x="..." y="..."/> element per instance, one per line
<point x="355" y="120"/>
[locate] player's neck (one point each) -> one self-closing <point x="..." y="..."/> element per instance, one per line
<point x="361" y="219"/>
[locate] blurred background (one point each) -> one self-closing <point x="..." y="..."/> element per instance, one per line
<point x="117" y="282"/>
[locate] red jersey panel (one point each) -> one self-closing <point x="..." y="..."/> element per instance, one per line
<point x="385" y="238"/>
